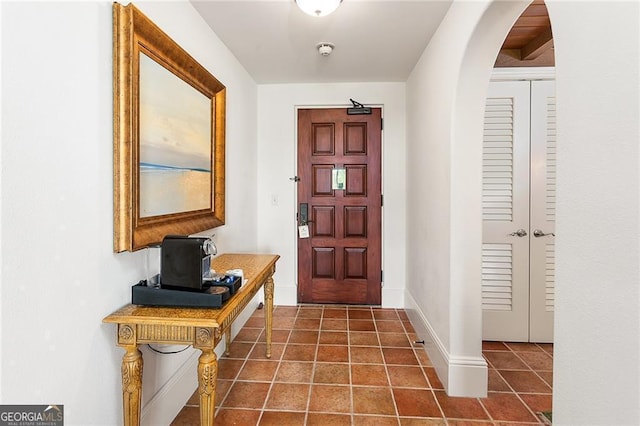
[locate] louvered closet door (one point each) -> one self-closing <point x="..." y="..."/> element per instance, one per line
<point x="543" y="210"/>
<point x="505" y="210"/>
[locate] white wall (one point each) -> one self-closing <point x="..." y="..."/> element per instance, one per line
<point x="445" y="97"/>
<point x="597" y="319"/>
<point x="597" y="356"/>
<point x="277" y="226"/>
<point x="60" y="276"/>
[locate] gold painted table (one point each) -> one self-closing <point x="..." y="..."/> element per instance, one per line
<point x="201" y="327"/>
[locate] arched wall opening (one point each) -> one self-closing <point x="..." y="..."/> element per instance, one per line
<point x="596" y="354"/>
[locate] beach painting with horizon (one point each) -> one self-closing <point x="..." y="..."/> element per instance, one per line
<point x="175" y="143"/>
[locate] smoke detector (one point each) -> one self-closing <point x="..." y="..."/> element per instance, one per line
<point x="325" y="48"/>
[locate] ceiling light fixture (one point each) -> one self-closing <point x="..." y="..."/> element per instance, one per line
<point x="318" y="7"/>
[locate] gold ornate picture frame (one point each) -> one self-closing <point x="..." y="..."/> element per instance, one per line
<point x="168" y="136"/>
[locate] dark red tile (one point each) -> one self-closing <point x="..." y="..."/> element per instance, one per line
<point x="413" y="421"/>
<point x="416" y="403"/>
<point x="285" y="311"/>
<point x="239" y="350"/>
<point x="523" y="347"/>
<point x="547" y="347"/>
<point x="229" y="368"/>
<point x="304" y="336"/>
<point x="222" y="389"/>
<point x="305" y="312"/>
<point x="434" y="380"/>
<point x="277" y="336"/>
<point x="422" y="356"/>
<point x="385" y="314"/>
<point x="324" y="419"/>
<point x="505" y="360"/>
<point x="186" y="417"/>
<point x="360" y="314"/>
<point x="494" y="346"/>
<point x="461" y="408"/>
<point x="401" y="356"/>
<point x="336" y="313"/>
<point x="293" y="371"/>
<point x="259" y="351"/>
<point x="408" y="327"/>
<point x="366" y="355"/>
<point x="332" y="353"/>
<point x="331" y="399"/>
<point x="247" y="395"/>
<point x="407" y="377"/>
<point x="334" y="324"/>
<point x="496" y="382"/>
<point x="389" y="326"/>
<point x="334" y="338"/>
<point x="398" y="340"/>
<point x="299" y="353"/>
<point x="361" y="325"/>
<point x="373" y="400"/>
<point x="233" y="417"/>
<point x="506" y="407"/>
<point x="525" y="381"/>
<point x="288" y="396"/>
<point x="547" y="376"/>
<point x="255" y="322"/>
<point x="331" y="373"/>
<point x="259" y="371"/>
<point x="539" y="361"/>
<point x="369" y="375"/>
<point x="307" y="324"/>
<point x="283" y="323"/>
<point x="361" y="420"/>
<point x="248" y="335"/>
<point x="537" y="402"/>
<point x="279" y="418"/>
<point x="358" y="338"/>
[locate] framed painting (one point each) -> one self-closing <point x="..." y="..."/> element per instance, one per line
<point x="169" y="136"/>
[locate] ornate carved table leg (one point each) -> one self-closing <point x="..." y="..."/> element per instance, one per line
<point x="131" y="375"/>
<point x="268" y="315"/>
<point x="207" y="375"/>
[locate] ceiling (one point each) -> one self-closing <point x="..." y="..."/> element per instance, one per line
<point x="530" y="41"/>
<point x="375" y="40"/>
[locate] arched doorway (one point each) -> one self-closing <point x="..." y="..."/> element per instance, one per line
<point x="519" y="185"/>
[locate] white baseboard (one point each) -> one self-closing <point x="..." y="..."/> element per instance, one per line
<point x="460" y="376"/>
<point x="392" y="297"/>
<point x="169" y="400"/>
<point x="165" y="405"/>
<point x="285" y="295"/>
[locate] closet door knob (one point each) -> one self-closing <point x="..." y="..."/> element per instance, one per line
<point x="519" y="233"/>
<point x="538" y="233"/>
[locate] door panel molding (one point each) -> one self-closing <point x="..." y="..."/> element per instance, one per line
<point x="341" y="260"/>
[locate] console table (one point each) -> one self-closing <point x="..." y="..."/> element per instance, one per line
<point x="201" y="327"/>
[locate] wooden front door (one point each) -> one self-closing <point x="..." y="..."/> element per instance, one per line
<point x="339" y="166"/>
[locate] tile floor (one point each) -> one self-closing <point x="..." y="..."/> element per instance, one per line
<point x="346" y="365"/>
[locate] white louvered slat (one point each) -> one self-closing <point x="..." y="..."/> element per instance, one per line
<point x="550" y="196"/>
<point x="550" y="277"/>
<point x="497" y="277"/>
<point x="497" y="160"/>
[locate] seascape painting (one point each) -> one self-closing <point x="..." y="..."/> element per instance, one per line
<point x="175" y="143"/>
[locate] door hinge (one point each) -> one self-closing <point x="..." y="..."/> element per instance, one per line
<point x="381" y="200"/>
<point x="381" y="276"/>
<point x="382" y="124"/>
